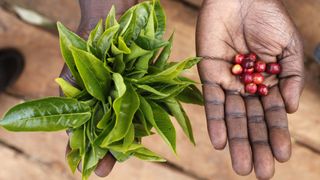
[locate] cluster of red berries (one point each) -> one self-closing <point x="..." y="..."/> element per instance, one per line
<point x="251" y="72"/>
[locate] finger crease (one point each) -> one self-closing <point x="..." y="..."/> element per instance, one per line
<point x="210" y="83"/>
<point x="275" y="108"/>
<point x="256" y="119"/>
<point x="278" y="127"/>
<point x="235" y="115"/>
<point x="232" y="92"/>
<point x="215" y="118"/>
<point x="260" y="142"/>
<point x="238" y="139"/>
<point x="214" y="102"/>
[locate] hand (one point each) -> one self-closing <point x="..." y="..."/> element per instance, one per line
<point x="256" y="128"/>
<point x="91" y="12"/>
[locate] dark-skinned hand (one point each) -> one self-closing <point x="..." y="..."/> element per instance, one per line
<point x="91" y="12"/>
<point x="256" y="128"/>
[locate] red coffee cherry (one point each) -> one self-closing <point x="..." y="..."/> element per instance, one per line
<point x="239" y="58"/>
<point x="247" y="78"/>
<point x="248" y="71"/>
<point x="251" y="88"/>
<point x="252" y="56"/>
<point x="258" y="78"/>
<point x="263" y="90"/>
<point x="247" y="64"/>
<point x="260" y="66"/>
<point x="273" y="68"/>
<point x="237" y="69"/>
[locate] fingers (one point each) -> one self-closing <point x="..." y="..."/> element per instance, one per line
<point x="240" y="150"/>
<point x="292" y="75"/>
<point x="105" y="165"/>
<point x="277" y="122"/>
<point x="258" y="134"/>
<point x="214" y="106"/>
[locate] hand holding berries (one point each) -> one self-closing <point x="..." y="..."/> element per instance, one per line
<point x="250" y="71"/>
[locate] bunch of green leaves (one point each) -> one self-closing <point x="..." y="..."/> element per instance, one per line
<point x="126" y="90"/>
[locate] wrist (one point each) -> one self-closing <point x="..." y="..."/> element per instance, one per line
<point x="94" y="10"/>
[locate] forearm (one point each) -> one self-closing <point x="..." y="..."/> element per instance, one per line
<point x="94" y="10"/>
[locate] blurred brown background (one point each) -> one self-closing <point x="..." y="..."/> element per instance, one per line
<point x="39" y="156"/>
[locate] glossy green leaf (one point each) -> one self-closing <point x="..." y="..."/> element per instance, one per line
<point x="149" y="29"/>
<point x="68" y="39"/>
<point x="160" y="20"/>
<point x="136" y="51"/>
<point x="77" y="140"/>
<point x="165" y="54"/>
<point x="104" y="43"/>
<point x="91" y="160"/>
<point x="95" y="34"/>
<point x="168" y="74"/>
<point x="67" y="89"/>
<point x="118" y="64"/>
<point x="152" y="90"/>
<point x="142" y="65"/>
<point x="160" y="121"/>
<point x="73" y="158"/>
<point x="124" y="107"/>
<point x="111" y="18"/>
<point x="95" y="76"/>
<point x="148" y="43"/>
<point x="147" y="155"/>
<point x="106" y="118"/>
<point x="180" y="115"/>
<point x="192" y="95"/>
<point x="49" y="114"/>
<point x="129" y="138"/>
<point x="120" y="157"/>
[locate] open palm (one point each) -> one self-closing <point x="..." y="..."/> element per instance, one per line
<point x="256" y="128"/>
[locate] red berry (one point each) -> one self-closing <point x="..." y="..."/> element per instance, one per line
<point x="248" y="71"/>
<point x="238" y="58"/>
<point x="251" y="88"/>
<point x="237" y="69"/>
<point x="247" y="78"/>
<point x="263" y="90"/>
<point x="260" y="66"/>
<point x="252" y="56"/>
<point x="247" y="64"/>
<point x="273" y="68"/>
<point x="258" y="78"/>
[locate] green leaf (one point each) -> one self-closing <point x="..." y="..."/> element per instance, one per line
<point x="95" y="76"/>
<point x="124" y="107"/>
<point x="122" y="49"/>
<point x="192" y="95"/>
<point x="120" y="85"/>
<point x="95" y="34"/>
<point x="180" y="115"/>
<point x="160" y="121"/>
<point x="67" y="89"/>
<point x="152" y="90"/>
<point x="120" y="157"/>
<point x="77" y="140"/>
<point x="142" y="65"/>
<point x="160" y="19"/>
<point x="68" y="39"/>
<point x="111" y="18"/>
<point x="168" y="74"/>
<point x="147" y="155"/>
<point x="73" y="158"/>
<point x="129" y="138"/>
<point x="49" y="114"/>
<point x="149" y="29"/>
<point x="104" y="43"/>
<point x="148" y="43"/>
<point x="165" y="54"/>
<point x="118" y="64"/>
<point x="106" y="118"/>
<point x="91" y="160"/>
<point x="136" y="51"/>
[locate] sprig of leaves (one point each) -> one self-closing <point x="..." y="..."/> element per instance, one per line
<point x="126" y="88"/>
